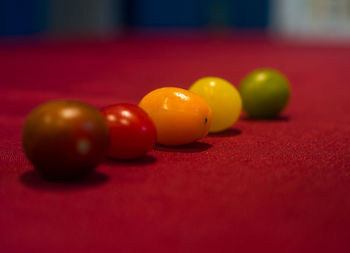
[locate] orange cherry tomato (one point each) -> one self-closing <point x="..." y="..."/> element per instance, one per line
<point x="180" y="116"/>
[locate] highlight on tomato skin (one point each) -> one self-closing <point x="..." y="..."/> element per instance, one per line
<point x="132" y="132"/>
<point x="180" y="116"/>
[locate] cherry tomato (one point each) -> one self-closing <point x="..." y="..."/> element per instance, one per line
<point x="265" y="93"/>
<point x="65" y="139"/>
<point x="223" y="98"/>
<point x="180" y="116"/>
<point x="132" y="132"/>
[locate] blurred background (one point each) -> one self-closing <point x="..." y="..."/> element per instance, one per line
<point x="327" y="19"/>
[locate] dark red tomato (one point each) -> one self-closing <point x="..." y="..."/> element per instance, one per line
<point x="132" y="133"/>
<point x="65" y="139"/>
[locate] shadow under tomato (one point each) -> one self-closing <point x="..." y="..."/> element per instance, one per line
<point x="227" y="133"/>
<point x="194" y="147"/>
<point x="130" y="171"/>
<point x="278" y="118"/>
<point x="141" y="161"/>
<point x="35" y="180"/>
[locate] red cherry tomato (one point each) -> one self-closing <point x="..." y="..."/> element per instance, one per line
<point x="132" y="132"/>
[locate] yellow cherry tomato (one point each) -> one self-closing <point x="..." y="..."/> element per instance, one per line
<point x="223" y="98"/>
<point x="180" y="116"/>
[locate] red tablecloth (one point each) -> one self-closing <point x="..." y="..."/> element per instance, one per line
<point x="263" y="186"/>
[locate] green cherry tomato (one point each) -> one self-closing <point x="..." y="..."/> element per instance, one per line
<point x="265" y="93"/>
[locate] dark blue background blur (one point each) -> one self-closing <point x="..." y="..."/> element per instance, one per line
<point x="199" y="13"/>
<point x="29" y="17"/>
<point x="22" y="16"/>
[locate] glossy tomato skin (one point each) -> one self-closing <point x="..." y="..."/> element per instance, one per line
<point x="180" y="116"/>
<point x="65" y="139"/>
<point x="132" y="132"/>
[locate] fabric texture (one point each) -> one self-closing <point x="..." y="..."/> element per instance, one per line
<point x="263" y="186"/>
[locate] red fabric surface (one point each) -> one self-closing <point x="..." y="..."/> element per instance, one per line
<point x="263" y="186"/>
